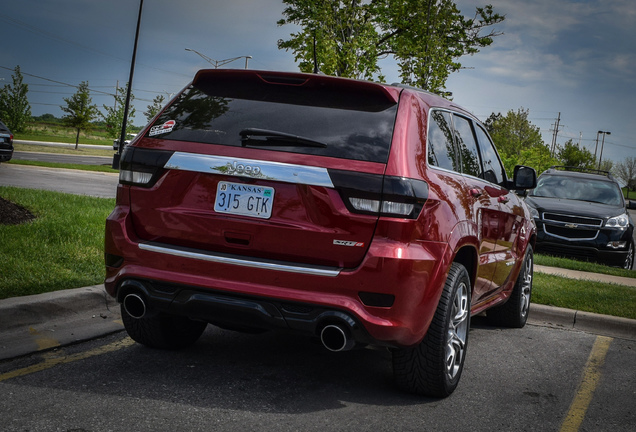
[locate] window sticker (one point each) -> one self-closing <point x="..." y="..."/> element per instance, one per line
<point x="162" y="129"/>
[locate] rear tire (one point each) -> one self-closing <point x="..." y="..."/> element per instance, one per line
<point x="514" y="313"/>
<point x="163" y="331"/>
<point x="434" y="367"/>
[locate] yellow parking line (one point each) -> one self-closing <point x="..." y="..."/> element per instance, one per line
<point x="52" y="360"/>
<point x="589" y="382"/>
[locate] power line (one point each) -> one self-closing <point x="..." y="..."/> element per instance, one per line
<point x="63" y="84"/>
<point x="54" y="81"/>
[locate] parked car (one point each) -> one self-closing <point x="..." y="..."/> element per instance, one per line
<point x="6" y="143"/>
<point x="354" y="212"/>
<point x="129" y="139"/>
<point x="582" y="214"/>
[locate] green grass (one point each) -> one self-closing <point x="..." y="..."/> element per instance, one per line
<point x="62" y="248"/>
<point x="629" y="195"/>
<point x="570" y="264"/>
<point x="596" y="297"/>
<point x="56" y="132"/>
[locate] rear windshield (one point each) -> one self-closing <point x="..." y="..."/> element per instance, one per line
<point x="325" y="122"/>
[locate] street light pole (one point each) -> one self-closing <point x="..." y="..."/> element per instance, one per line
<point x="600" y="158"/>
<point x="217" y="63"/>
<point x="596" y="147"/>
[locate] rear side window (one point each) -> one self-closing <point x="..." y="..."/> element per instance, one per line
<point x="441" y="149"/>
<point x="336" y="122"/>
<point x="467" y="145"/>
<point x="493" y="169"/>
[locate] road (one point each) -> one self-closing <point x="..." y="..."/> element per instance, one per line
<point x="63" y="158"/>
<point x="514" y="380"/>
<point x="103" y="185"/>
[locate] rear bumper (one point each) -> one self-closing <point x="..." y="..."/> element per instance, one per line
<point x="240" y="312"/>
<point x="6" y="154"/>
<point x="388" y="300"/>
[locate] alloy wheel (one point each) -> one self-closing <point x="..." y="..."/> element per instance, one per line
<point x="526" y="287"/>
<point x="457" y="332"/>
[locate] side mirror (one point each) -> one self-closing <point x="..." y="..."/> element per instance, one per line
<point x="524" y="178"/>
<point x="631" y="204"/>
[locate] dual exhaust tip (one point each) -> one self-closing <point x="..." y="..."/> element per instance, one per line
<point x="135" y="306"/>
<point x="334" y="337"/>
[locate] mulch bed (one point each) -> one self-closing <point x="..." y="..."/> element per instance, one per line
<point x="13" y="214"/>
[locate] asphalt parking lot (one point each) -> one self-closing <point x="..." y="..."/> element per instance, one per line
<point x="78" y="370"/>
<point x="530" y="379"/>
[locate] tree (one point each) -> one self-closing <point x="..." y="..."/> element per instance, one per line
<point x="626" y="171"/>
<point x="574" y="156"/>
<point x="513" y="132"/>
<point x="348" y="38"/>
<point x="607" y="165"/>
<point x="80" y="110"/>
<point x="46" y="118"/>
<point x="15" y="110"/>
<point x="114" y="116"/>
<point x="518" y="141"/>
<point x="153" y="110"/>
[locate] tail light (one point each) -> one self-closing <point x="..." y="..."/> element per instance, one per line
<point x="380" y="195"/>
<point x="142" y="167"/>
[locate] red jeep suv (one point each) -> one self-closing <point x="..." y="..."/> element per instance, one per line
<point x="355" y="212"/>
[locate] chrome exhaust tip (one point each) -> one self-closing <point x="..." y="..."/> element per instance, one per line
<point x="336" y="338"/>
<point x="135" y="306"/>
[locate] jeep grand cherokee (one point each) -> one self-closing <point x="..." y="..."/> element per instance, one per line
<point x="354" y="212"/>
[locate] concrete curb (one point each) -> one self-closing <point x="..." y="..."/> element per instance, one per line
<point x="604" y="325"/>
<point x="35" y="309"/>
<point x="44" y="321"/>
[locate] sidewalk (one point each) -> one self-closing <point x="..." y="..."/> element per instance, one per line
<point x="66" y="145"/>
<point x="39" y="322"/>
<point x="575" y="274"/>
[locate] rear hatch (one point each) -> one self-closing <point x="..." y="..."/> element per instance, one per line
<point x="275" y="166"/>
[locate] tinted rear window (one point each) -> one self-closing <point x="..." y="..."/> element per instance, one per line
<point x="351" y="124"/>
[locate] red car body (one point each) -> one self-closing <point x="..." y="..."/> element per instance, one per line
<point x="315" y="259"/>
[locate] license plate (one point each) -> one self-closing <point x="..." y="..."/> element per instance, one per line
<point x="244" y="200"/>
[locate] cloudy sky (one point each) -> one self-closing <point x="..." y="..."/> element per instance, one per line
<point x="573" y="57"/>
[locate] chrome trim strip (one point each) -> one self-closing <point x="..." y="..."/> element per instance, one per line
<point x="250" y="168"/>
<point x="545" y="229"/>
<point x="240" y="262"/>
<point x="546" y="217"/>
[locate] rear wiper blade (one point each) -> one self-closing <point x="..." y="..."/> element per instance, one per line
<point x="265" y="137"/>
